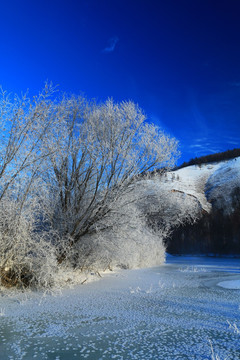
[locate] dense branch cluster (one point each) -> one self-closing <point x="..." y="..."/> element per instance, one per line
<point x="70" y="186"/>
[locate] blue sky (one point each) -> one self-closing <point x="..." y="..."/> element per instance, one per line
<point x="178" y="59"/>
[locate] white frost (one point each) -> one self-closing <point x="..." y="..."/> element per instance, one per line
<point x="231" y="284"/>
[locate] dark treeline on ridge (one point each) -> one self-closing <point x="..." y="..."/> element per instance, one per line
<point x="221" y="156"/>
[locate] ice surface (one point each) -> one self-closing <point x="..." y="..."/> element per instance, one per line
<point x="169" y="312"/>
<point x="231" y="284"/>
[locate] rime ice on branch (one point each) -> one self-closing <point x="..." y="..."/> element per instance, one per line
<point x="71" y="186"/>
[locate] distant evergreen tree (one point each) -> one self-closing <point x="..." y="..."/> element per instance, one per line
<point x="221" y="156"/>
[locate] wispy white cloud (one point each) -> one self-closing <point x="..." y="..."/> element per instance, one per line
<point x="236" y="84"/>
<point x="203" y="149"/>
<point x="234" y="143"/>
<point x="212" y="144"/>
<point x="199" y="119"/>
<point x="197" y="146"/>
<point x="112" y="42"/>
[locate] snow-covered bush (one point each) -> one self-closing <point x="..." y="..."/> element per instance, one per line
<point x="74" y="189"/>
<point x="121" y="239"/>
<point x="27" y="254"/>
<point x="168" y="208"/>
<point x="104" y="150"/>
<point x="132" y="233"/>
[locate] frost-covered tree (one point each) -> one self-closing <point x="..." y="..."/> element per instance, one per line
<point x="74" y="189"/>
<point x="104" y="149"/>
<point x="25" y="128"/>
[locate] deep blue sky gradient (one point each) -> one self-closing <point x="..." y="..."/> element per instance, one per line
<point x="178" y="59"/>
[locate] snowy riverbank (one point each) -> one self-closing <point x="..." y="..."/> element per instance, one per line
<point x="171" y="312"/>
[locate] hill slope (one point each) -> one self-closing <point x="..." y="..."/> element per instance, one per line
<point x="217" y="187"/>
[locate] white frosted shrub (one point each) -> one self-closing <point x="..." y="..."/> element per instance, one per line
<point x="27" y="256"/>
<point x="132" y="234"/>
<point x="72" y="193"/>
<point x="104" y="150"/>
<point x="125" y="241"/>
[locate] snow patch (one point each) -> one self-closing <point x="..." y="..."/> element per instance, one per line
<point x="209" y="183"/>
<point x="192" y="180"/>
<point x="231" y="284"/>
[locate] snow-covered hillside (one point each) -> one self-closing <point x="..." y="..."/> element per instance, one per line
<point x="210" y="183"/>
<point x="216" y="186"/>
<point x="223" y="185"/>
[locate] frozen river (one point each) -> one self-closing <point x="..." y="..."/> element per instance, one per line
<point x="177" y="311"/>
